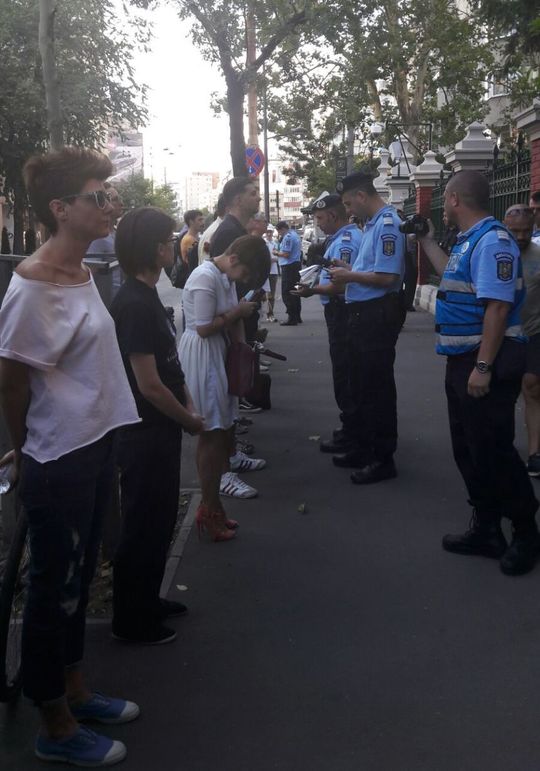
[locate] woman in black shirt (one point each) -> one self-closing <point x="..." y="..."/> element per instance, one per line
<point x="149" y="453"/>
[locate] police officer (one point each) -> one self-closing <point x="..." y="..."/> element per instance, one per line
<point x="289" y="253"/>
<point x="342" y="247"/>
<point x="375" y="313"/>
<point x="478" y="321"/>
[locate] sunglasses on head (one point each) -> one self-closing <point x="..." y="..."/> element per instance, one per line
<point x="526" y="212"/>
<point x="99" y="197"/>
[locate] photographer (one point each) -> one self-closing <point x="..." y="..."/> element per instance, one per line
<point x="342" y="246"/>
<point x="372" y="295"/>
<point x="478" y="321"/>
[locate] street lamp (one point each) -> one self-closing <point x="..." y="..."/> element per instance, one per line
<point x="399" y="127"/>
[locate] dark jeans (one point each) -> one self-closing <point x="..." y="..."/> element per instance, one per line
<point x="373" y="331"/>
<point x="482" y="432"/>
<point x="149" y="461"/>
<point x="336" y="316"/>
<point x="65" y="501"/>
<point x="290" y="275"/>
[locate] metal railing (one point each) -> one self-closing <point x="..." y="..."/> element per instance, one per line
<point x="509" y="181"/>
<point x="409" y="204"/>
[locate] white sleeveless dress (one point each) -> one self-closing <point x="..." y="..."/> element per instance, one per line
<point x="207" y="293"/>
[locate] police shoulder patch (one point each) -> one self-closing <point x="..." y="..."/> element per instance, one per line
<point x="388" y="219"/>
<point x="505" y="265"/>
<point x="346" y="236"/>
<point x="345" y="255"/>
<point x="502" y="235"/>
<point x="389" y="245"/>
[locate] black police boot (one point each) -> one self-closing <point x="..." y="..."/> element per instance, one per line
<point x="521" y="555"/>
<point x="350" y="459"/>
<point x="483" y="538"/>
<point x="377" y="471"/>
<point x="336" y="446"/>
<point x="338" y="433"/>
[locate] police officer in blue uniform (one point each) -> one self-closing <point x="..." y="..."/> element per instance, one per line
<point x="375" y="312"/>
<point x="342" y="247"/>
<point x="289" y="253"/>
<point x="478" y="321"/>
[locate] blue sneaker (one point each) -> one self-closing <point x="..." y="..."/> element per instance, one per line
<point x="104" y="709"/>
<point x="84" y="748"/>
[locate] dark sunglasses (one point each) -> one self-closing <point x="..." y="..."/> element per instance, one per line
<point x="99" y="197"/>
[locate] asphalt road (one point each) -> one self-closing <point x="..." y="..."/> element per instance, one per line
<point x="342" y="638"/>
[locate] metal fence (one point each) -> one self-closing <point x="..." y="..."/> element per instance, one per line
<point x="409" y="204"/>
<point x="509" y="181"/>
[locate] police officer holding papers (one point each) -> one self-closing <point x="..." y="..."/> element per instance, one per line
<point x="375" y="316"/>
<point x="342" y="248"/>
<point x="478" y="321"/>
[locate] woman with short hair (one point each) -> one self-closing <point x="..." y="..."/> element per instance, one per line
<point x="64" y="391"/>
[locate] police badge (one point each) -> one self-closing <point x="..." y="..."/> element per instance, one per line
<point x="389" y="245"/>
<point x="504" y="266"/>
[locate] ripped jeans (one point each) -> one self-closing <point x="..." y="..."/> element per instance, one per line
<point x="65" y="501"/>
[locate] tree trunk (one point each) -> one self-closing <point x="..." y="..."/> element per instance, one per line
<point x="19" y="208"/>
<point x="350" y="149"/>
<point x="235" y="108"/>
<point x="47" y="11"/>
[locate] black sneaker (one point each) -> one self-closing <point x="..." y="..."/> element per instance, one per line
<point x="155" y="635"/>
<point x="482" y="539"/>
<point x="246" y="407"/>
<point x="521" y="555"/>
<point x="378" y="471"/>
<point x="533" y="465"/>
<point x="170" y="608"/>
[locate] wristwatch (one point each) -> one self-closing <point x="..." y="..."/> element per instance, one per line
<point x="483" y="367"/>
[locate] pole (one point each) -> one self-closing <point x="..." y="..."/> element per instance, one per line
<point x="266" y="170"/>
<point x="277" y="205"/>
<point x="350" y="149"/>
<point x="252" y="88"/>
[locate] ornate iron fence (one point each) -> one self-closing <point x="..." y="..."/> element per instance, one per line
<point x="510" y="180"/>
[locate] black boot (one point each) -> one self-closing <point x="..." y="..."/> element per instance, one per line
<point x="484" y="538"/>
<point x="377" y="471"/>
<point x="336" y="446"/>
<point x="521" y="555"/>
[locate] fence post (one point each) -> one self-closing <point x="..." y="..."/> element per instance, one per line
<point x="399" y="180"/>
<point x="528" y="122"/>
<point x="382" y="176"/>
<point x="425" y="177"/>
<point x="474" y="151"/>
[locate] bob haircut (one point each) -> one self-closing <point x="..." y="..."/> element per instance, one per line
<point x="60" y="174"/>
<point x="138" y="236"/>
<point x="252" y="251"/>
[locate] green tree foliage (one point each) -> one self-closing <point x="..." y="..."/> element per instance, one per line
<point x="97" y="85"/>
<point x="136" y="191"/>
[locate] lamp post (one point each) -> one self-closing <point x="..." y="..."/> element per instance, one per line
<point x="399" y="127"/>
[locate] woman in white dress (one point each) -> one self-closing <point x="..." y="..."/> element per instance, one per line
<point x="214" y="317"/>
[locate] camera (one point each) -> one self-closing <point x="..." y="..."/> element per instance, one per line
<point x="415" y="225"/>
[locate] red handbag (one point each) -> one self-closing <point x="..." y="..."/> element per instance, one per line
<point x="240" y="368"/>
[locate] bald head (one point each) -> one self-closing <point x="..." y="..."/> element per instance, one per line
<point x="519" y="220"/>
<point x="471" y="188"/>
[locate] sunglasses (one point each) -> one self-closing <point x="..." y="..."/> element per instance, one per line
<point x="99" y="197"/>
<point x="527" y="212"/>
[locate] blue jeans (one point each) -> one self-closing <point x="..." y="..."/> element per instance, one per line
<point x="65" y="501"/>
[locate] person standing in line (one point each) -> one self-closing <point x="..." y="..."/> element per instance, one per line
<point x="534" y="203"/>
<point x="194" y="219"/>
<point x="206" y="237"/>
<point x="149" y="452"/>
<point x="64" y="391"/>
<point x="289" y="253"/>
<point x="342" y="246"/>
<point x="375" y="313"/>
<point x="519" y="221"/>
<point x="106" y="245"/>
<point x="273" y="277"/>
<point x="478" y="320"/>
<point x="241" y="201"/>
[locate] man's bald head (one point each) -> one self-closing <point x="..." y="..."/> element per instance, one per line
<point x="472" y="189"/>
<point x="519" y="220"/>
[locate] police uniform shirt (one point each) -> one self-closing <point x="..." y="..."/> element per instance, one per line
<point x="382" y="250"/>
<point x="292" y="246"/>
<point x="536" y="236"/>
<point x="343" y="245"/>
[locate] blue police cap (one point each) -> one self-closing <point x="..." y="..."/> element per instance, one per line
<point x="354" y="181"/>
<point x="330" y="200"/>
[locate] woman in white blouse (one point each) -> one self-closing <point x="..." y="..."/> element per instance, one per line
<point x="214" y="317"/>
<point x="63" y="390"/>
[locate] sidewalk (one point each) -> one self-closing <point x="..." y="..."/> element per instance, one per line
<point x="342" y="638"/>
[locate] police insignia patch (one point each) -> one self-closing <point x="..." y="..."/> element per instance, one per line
<point x="320" y="204"/>
<point x="345" y="255"/>
<point x="504" y="270"/>
<point x="389" y="245"/>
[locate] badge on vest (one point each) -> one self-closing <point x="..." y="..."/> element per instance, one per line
<point x="504" y="266"/>
<point x="389" y="245"/>
<point x="345" y="255"/>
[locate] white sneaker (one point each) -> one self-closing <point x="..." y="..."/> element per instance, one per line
<point x="242" y="462"/>
<point x="232" y="486"/>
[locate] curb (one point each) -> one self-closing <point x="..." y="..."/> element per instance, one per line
<point x="425" y="297"/>
<point x="177" y="549"/>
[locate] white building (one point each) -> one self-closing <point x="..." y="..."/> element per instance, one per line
<point x="286" y="201"/>
<point x="201" y="190"/>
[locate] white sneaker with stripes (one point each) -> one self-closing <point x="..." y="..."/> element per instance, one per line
<point x="232" y="486"/>
<point x="242" y="462"/>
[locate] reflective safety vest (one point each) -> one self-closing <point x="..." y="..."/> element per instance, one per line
<point x="459" y="315"/>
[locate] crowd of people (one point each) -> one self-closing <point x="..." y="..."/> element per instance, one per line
<point x="89" y="394"/>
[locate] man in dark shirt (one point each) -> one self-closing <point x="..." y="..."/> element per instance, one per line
<point x="241" y="199"/>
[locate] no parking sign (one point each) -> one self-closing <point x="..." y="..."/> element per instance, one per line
<point x="255" y="160"/>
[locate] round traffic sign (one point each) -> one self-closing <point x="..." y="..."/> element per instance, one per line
<point x="255" y="160"/>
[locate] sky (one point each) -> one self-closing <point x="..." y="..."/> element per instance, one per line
<point x="180" y="84"/>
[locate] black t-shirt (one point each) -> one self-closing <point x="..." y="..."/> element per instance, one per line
<point x="143" y="326"/>
<point x="228" y="231"/>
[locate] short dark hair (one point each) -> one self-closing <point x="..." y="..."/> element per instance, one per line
<point x="190" y="215"/>
<point x="60" y="174"/>
<point x="282" y="225"/>
<point x="252" y="251"/>
<point x="138" y="236"/>
<point x="472" y="188"/>
<point x="536" y="196"/>
<point x="221" y="209"/>
<point x="232" y="188"/>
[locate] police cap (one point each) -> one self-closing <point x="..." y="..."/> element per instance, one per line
<point x="330" y="200"/>
<point x="360" y="179"/>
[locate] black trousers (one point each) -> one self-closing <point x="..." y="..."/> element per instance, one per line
<point x="337" y="322"/>
<point x="373" y="331"/>
<point x="290" y="275"/>
<point x="149" y="461"/>
<point x="482" y="432"/>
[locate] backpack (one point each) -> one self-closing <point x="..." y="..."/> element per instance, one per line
<point x="181" y="270"/>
